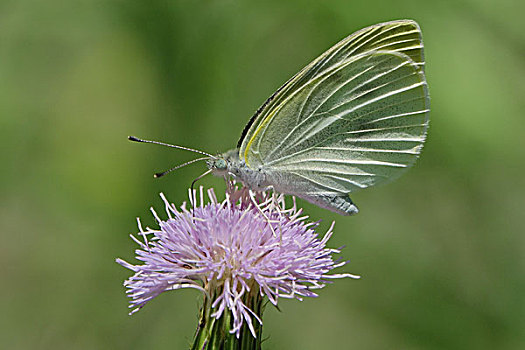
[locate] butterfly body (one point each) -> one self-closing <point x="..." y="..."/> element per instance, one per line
<point x="263" y="178"/>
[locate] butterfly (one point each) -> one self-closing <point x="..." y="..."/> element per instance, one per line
<point x="355" y="117"/>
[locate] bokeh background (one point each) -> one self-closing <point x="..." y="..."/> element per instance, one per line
<point x="441" y="250"/>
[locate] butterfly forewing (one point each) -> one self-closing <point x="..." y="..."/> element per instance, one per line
<point x="400" y="36"/>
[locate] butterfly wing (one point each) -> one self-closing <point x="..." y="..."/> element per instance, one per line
<point x="400" y="36"/>
<point x="354" y="122"/>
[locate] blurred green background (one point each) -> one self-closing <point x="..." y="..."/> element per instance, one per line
<point x="441" y="250"/>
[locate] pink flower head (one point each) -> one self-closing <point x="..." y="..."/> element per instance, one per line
<point x="230" y="249"/>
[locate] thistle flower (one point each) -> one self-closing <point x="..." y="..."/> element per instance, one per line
<point x="236" y="253"/>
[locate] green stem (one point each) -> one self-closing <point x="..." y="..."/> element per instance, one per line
<point x="214" y="334"/>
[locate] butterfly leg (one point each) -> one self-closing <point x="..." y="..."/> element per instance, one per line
<point x="276" y="205"/>
<point x="254" y="201"/>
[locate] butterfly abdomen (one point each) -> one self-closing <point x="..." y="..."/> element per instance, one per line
<point x="341" y="204"/>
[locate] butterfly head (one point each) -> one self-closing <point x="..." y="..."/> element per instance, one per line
<point x="218" y="165"/>
<point x="223" y="164"/>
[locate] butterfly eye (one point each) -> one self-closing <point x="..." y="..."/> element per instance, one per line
<point x="220" y="164"/>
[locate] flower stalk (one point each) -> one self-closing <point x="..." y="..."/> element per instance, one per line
<point x="239" y="254"/>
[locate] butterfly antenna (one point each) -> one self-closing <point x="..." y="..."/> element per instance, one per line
<point x="157" y="175"/>
<point x="136" y="139"/>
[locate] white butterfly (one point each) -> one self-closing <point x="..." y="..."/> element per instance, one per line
<point x="355" y="117"/>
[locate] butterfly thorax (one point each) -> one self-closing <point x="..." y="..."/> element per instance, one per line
<point x="229" y="163"/>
